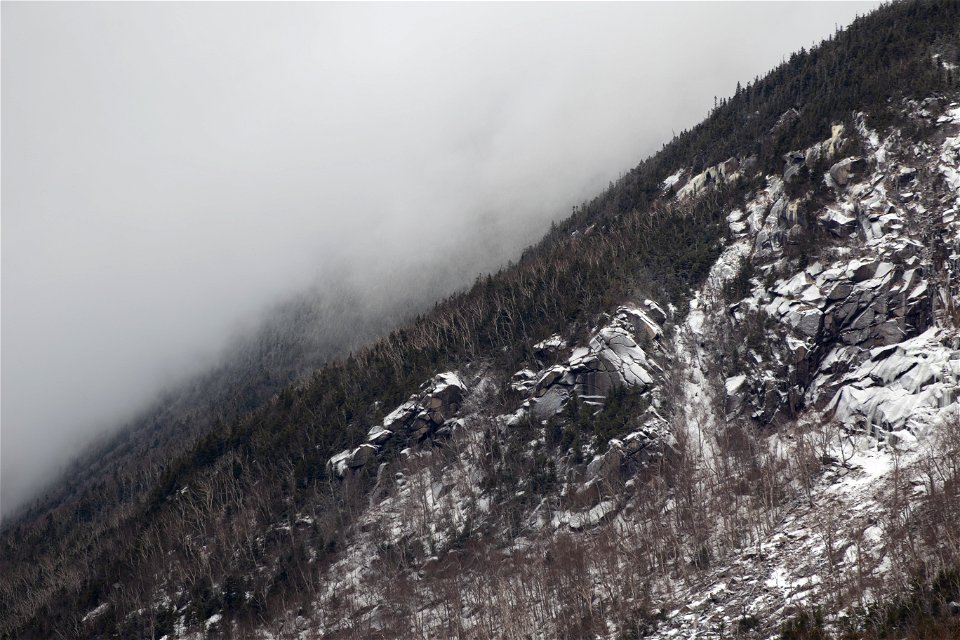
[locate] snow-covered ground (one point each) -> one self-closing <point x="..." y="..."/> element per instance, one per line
<point x="853" y="392"/>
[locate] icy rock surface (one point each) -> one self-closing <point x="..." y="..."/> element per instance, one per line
<point x="726" y="171"/>
<point x="904" y="386"/>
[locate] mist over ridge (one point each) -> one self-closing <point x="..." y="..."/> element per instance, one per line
<point x="173" y="172"/>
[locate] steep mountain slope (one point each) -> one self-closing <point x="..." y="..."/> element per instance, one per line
<point x="664" y="510"/>
<point x="720" y="394"/>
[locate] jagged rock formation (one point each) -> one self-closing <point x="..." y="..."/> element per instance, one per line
<point x="614" y="357"/>
<point x="428" y="414"/>
<point x="902" y="387"/>
<point x="865" y="335"/>
<point x="876" y="292"/>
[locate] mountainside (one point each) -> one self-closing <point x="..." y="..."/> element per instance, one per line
<point x="720" y="400"/>
<point x="790" y="442"/>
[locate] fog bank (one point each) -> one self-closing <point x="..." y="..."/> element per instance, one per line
<point x="171" y="171"/>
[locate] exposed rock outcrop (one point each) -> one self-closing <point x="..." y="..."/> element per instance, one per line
<point x="429" y="413"/>
<point x="618" y="354"/>
<point x="902" y="386"/>
<point x="875" y="292"/>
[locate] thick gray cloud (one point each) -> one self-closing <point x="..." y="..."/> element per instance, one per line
<point x="170" y="170"/>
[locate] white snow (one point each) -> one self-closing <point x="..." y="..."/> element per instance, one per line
<point x="553" y="342"/>
<point x="735" y="383"/>
<point x="448" y="379"/>
<point x="903" y="387"/>
<point x="671" y="180"/>
<point x="96" y="612"/>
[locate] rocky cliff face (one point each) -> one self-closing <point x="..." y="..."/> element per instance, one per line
<point x="861" y="337"/>
<point x="813" y="380"/>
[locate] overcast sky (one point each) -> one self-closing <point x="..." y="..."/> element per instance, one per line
<point x="169" y="170"/>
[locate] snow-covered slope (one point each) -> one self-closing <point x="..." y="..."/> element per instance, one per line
<point x="689" y="474"/>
